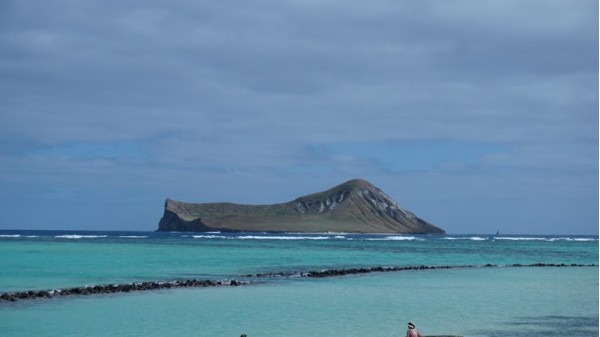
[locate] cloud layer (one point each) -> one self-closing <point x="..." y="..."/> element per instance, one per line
<point x="473" y="114"/>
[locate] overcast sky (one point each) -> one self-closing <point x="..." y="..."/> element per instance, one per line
<point x="476" y="115"/>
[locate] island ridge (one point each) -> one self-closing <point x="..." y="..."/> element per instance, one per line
<point x="355" y="206"/>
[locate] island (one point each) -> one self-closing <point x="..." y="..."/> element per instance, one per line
<point x="355" y="206"/>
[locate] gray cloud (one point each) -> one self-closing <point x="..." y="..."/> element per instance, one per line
<point x="218" y="98"/>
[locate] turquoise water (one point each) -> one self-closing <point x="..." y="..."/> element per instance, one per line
<point x="525" y="301"/>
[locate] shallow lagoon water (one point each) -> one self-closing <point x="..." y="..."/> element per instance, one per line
<point x="509" y="301"/>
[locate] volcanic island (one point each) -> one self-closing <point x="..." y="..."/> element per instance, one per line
<point x="355" y="206"/>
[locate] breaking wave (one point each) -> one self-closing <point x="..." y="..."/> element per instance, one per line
<point x="393" y="238"/>
<point x="217" y="235"/>
<point x="260" y="237"/>
<point x="77" y="236"/>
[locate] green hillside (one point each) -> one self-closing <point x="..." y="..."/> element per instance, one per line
<point x="355" y="206"/>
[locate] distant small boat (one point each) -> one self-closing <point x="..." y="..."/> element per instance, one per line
<point x="492" y="237"/>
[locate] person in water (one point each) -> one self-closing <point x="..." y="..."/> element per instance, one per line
<point x="412" y="331"/>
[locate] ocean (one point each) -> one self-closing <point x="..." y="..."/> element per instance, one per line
<point x="482" y="285"/>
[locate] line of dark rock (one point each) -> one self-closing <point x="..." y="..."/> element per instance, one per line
<point x="116" y="288"/>
<point x="157" y="285"/>
<point x="354" y="271"/>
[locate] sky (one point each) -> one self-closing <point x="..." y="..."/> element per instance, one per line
<point x="478" y="116"/>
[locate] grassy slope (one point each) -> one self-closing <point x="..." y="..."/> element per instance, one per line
<point x="353" y="213"/>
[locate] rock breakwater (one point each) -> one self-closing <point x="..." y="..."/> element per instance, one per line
<point x="247" y="280"/>
<point x="117" y="288"/>
<point x="353" y="271"/>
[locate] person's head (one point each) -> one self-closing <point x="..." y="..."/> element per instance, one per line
<point x="411" y="325"/>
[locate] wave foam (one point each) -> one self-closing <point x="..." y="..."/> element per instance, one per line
<point x="392" y="238"/>
<point x="209" y="237"/>
<point x="255" y="237"/>
<point x="472" y="238"/>
<point x="521" y="238"/>
<point x="76" y="236"/>
<point x="545" y="239"/>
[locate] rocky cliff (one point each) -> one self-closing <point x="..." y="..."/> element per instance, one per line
<point x="355" y="206"/>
